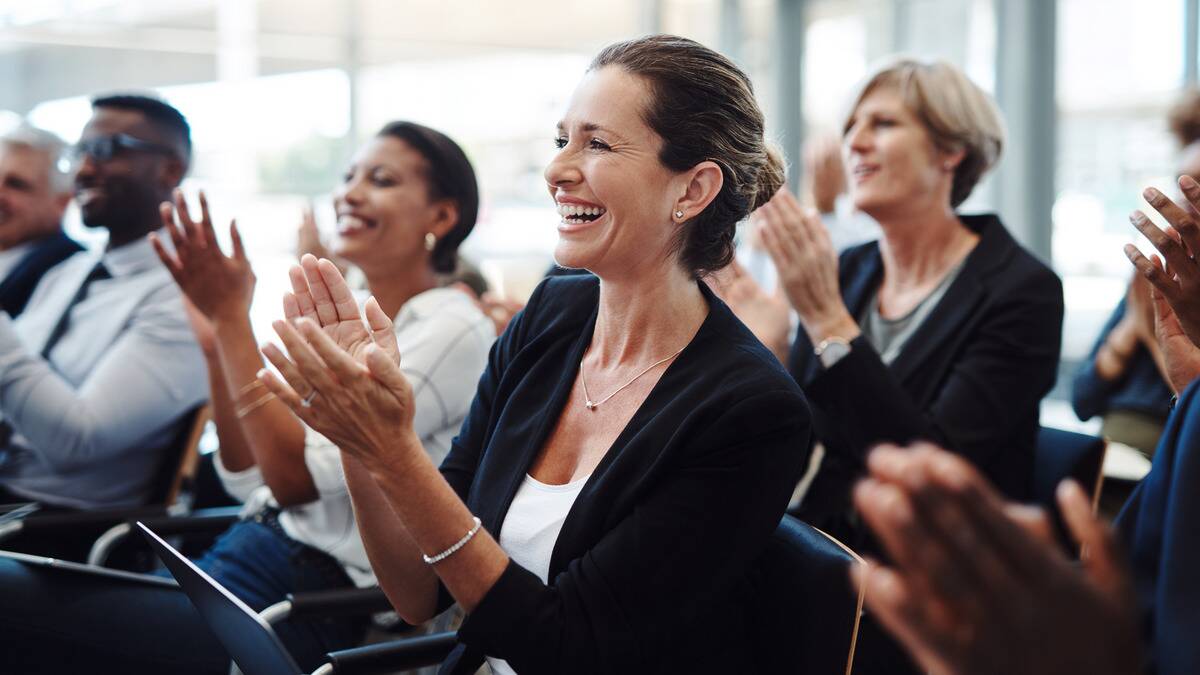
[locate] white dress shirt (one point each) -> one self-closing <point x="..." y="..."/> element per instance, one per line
<point x="91" y="424"/>
<point x="444" y="341"/>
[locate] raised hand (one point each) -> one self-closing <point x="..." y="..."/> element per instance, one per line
<point x="977" y="586"/>
<point x="1180" y="357"/>
<point x="765" y="314"/>
<point x="825" y="171"/>
<point x="800" y="247"/>
<point x="220" y="287"/>
<point x="308" y="236"/>
<point x="206" y="335"/>
<point x="1179" y="246"/>
<point x="320" y="293"/>
<point x="340" y="376"/>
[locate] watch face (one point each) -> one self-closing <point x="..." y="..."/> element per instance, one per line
<point x="832" y="353"/>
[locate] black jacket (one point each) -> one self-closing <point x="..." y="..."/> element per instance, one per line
<point x="20" y="282"/>
<point x="970" y="378"/>
<point x="651" y="571"/>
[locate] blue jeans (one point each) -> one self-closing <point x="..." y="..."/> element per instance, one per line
<point x="53" y="621"/>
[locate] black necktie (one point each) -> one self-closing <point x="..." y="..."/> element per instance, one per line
<point x="60" y="329"/>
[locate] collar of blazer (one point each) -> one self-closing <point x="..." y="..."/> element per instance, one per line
<point x="861" y="271"/>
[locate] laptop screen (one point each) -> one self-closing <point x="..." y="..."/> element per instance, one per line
<point x="249" y="640"/>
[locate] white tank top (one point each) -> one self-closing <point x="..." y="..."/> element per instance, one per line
<point x="530" y="529"/>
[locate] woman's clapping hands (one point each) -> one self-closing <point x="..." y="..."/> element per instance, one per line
<point x="978" y="585"/>
<point x="799" y="245"/>
<point x="220" y="287"/>
<point x="341" y="376"/>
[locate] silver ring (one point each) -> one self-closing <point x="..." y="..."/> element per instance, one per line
<point x="307" y="401"/>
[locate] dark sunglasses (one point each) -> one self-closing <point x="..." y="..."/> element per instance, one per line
<point x="104" y="148"/>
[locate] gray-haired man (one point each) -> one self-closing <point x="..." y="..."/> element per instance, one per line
<point x="34" y="193"/>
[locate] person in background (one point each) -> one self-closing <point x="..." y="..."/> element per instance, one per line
<point x="746" y="281"/>
<point x="1122" y="380"/>
<point x="35" y="190"/>
<point x="978" y="584"/>
<point x="825" y="172"/>
<point x="407" y="201"/>
<point x="631" y="446"/>
<point x="945" y="328"/>
<point x="102" y="368"/>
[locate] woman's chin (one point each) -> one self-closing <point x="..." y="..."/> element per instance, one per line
<point x="571" y="255"/>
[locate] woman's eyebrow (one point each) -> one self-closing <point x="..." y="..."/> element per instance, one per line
<point x="588" y="126"/>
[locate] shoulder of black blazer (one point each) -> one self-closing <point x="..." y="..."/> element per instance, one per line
<point x="998" y="269"/>
<point x="18" y="286"/>
<point x="552" y="327"/>
<point x="723" y="370"/>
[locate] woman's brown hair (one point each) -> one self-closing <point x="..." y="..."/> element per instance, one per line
<point x="703" y="107"/>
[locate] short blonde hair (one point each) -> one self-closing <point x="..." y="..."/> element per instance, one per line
<point x="957" y="114"/>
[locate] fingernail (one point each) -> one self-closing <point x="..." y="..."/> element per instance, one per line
<point x="1136" y="217"/>
<point x="1188" y="183"/>
<point x="1150" y="194"/>
<point x="262" y="372"/>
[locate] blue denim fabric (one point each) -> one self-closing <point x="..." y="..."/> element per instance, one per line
<point x="261" y="565"/>
<point x="52" y="621"/>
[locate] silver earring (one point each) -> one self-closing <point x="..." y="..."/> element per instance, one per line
<point x="430" y="241"/>
<point x="678" y="215"/>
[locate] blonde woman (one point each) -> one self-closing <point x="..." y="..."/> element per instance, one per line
<point x="945" y="329"/>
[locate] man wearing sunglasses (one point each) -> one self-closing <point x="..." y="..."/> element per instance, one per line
<point x="100" y="372"/>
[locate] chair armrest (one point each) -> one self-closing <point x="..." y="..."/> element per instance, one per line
<point x="199" y="521"/>
<point x="341" y="602"/>
<point x="67" y="522"/>
<point x="386" y="657"/>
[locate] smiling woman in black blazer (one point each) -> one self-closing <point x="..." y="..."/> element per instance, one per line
<point x="945" y="329"/>
<point x="631" y="447"/>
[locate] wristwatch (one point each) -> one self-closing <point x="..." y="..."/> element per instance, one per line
<point x="831" y="350"/>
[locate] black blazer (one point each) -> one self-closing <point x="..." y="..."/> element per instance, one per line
<point x="20" y="282"/>
<point x="651" y="571"/>
<point x="1158" y="527"/>
<point x="970" y="377"/>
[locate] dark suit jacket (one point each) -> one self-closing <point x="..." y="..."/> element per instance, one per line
<point x="20" y="282"/>
<point x="651" y="571"/>
<point x="969" y="378"/>
<point x="1161" y="525"/>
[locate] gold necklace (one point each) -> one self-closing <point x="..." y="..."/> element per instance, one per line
<point x="587" y="398"/>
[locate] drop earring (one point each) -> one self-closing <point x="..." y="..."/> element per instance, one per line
<point x="430" y="241"/>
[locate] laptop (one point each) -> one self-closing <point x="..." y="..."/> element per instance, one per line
<point x="249" y="640"/>
<point x="91" y="570"/>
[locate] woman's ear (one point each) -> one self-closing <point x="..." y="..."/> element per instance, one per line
<point x="704" y="182"/>
<point x="951" y="160"/>
<point x="445" y="217"/>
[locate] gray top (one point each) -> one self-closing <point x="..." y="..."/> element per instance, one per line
<point x="889" y="336"/>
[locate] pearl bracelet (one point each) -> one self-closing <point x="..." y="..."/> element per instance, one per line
<point x="431" y="559"/>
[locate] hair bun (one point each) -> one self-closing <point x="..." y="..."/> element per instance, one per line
<point x="771" y="176"/>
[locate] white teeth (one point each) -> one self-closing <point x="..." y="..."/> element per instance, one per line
<point x="572" y="210"/>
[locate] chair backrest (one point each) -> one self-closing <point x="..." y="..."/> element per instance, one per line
<point x="1061" y="454"/>
<point x="179" y="462"/>
<point x="806" y="610"/>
